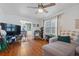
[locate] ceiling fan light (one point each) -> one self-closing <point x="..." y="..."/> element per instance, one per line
<point x="40" y="10"/>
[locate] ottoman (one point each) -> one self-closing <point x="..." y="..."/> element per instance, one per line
<point x="59" y="48"/>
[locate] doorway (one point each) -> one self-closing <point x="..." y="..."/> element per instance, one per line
<point x="26" y="29"/>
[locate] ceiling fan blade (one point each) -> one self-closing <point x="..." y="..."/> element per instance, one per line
<point x="32" y="7"/>
<point x="49" y="5"/>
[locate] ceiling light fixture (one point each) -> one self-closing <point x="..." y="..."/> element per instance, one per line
<point x="40" y="10"/>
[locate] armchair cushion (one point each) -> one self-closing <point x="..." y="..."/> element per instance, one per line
<point x="53" y="39"/>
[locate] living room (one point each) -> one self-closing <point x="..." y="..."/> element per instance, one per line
<point x="32" y="28"/>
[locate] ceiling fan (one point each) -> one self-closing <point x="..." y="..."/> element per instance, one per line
<point x="41" y="7"/>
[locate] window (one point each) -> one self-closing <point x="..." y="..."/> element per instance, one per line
<point x="29" y="27"/>
<point x="10" y="27"/>
<point x="50" y="27"/>
<point x="47" y="27"/>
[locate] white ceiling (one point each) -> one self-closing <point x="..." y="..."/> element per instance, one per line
<point x="20" y="9"/>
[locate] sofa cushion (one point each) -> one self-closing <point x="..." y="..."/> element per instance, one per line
<point x="64" y="39"/>
<point x="59" y="48"/>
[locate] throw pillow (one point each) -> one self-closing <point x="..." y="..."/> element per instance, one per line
<point x="64" y="38"/>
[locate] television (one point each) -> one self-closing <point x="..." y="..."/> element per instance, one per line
<point x="11" y="29"/>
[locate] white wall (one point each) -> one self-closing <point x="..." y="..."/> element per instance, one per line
<point x="13" y="19"/>
<point x="67" y="20"/>
<point x="9" y="19"/>
<point x="67" y="17"/>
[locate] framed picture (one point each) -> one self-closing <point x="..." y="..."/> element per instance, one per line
<point x="34" y="25"/>
<point x="37" y="25"/>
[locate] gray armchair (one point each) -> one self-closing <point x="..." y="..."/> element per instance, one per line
<point x="53" y="39"/>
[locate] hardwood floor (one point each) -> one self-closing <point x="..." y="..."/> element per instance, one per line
<point x="29" y="47"/>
